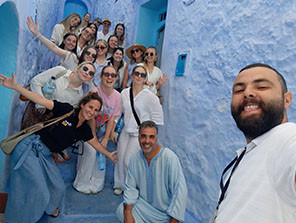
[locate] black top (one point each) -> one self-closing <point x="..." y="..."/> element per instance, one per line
<point x="63" y="134"/>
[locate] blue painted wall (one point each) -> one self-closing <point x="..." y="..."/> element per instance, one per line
<point x="8" y="54"/>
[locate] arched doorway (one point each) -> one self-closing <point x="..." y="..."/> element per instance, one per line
<point x="76" y="6"/>
<point x="9" y="33"/>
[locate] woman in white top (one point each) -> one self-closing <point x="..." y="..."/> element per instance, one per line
<point x="89" y="179"/>
<point x="155" y="77"/>
<point x="69" y="25"/>
<point x="102" y="48"/>
<point x="147" y="107"/>
<point x="69" y="58"/>
<point x="119" y="64"/>
<point x="136" y="55"/>
<point x="84" y="39"/>
<point x="69" y="88"/>
<point x="119" y="31"/>
<point x="112" y="43"/>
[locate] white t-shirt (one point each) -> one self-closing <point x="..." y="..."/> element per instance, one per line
<point x="100" y="35"/>
<point x="147" y="107"/>
<point x="262" y="188"/>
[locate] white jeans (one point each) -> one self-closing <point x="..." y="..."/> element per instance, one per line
<point x="127" y="146"/>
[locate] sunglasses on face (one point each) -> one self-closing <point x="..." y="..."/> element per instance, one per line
<point x="89" y="53"/>
<point x="88" y="33"/>
<point x="101" y="47"/>
<point x="109" y="75"/>
<point x="90" y="73"/>
<point x="138" y="74"/>
<point x="151" y="54"/>
<point x="106" y="23"/>
<point x="136" y="50"/>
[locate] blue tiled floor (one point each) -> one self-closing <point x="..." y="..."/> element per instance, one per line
<point x="78" y="207"/>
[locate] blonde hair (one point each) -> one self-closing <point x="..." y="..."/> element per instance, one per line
<point x="66" y="23"/>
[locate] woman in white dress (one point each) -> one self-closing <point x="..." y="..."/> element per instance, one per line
<point x="68" y="25"/>
<point x="119" y="31"/>
<point x="155" y="77"/>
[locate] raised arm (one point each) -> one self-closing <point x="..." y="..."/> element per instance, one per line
<point x="12" y="84"/>
<point x="97" y="146"/>
<point x="34" y="28"/>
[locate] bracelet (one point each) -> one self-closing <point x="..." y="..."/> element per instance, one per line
<point x="38" y="35"/>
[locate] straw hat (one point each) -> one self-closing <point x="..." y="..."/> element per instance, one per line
<point x="134" y="46"/>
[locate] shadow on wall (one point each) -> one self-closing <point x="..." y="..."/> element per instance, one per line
<point x="8" y="53"/>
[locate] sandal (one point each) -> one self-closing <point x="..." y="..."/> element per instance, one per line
<point x="56" y="213"/>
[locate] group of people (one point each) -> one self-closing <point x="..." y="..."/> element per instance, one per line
<point x="94" y="89"/>
<point x="97" y="88"/>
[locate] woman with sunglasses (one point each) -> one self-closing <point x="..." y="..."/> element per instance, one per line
<point x="112" y="43"/>
<point x="89" y="179"/>
<point x="119" y="31"/>
<point x="69" y="88"/>
<point x="68" y="25"/>
<point x="120" y="65"/>
<point x="155" y="77"/>
<point x="84" y="39"/>
<point x="69" y="58"/>
<point x="102" y="49"/>
<point x="147" y="107"/>
<point x="36" y="185"/>
<point x="136" y="55"/>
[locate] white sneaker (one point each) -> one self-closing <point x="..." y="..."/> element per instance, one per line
<point x="117" y="191"/>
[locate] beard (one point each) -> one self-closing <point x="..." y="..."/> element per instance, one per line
<point x="254" y="126"/>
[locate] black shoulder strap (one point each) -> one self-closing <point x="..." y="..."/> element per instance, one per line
<point x="133" y="108"/>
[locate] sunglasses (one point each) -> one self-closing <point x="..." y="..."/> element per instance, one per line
<point x="101" y="47"/>
<point x="88" y="33"/>
<point x="136" y="50"/>
<point x="138" y="74"/>
<point x="109" y="75"/>
<point x="106" y="23"/>
<point x="89" y="53"/>
<point x="90" y="73"/>
<point x="151" y="54"/>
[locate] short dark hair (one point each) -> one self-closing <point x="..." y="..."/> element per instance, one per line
<point x="280" y="77"/>
<point x="148" y="124"/>
<point x="90" y="96"/>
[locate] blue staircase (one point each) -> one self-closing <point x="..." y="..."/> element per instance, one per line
<point x="81" y="208"/>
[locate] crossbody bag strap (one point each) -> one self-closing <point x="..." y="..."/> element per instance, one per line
<point x="224" y="188"/>
<point x="133" y="108"/>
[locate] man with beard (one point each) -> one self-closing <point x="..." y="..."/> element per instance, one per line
<point x="260" y="186"/>
<point x="155" y="185"/>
